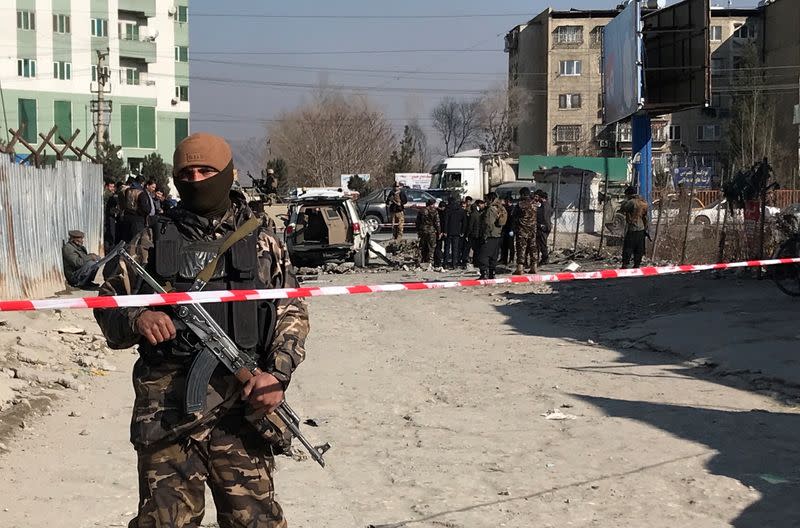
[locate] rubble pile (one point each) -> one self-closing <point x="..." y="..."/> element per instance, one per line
<point x="35" y="364"/>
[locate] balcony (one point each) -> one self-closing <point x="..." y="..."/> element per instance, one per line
<point x="138" y="49"/>
<point x="146" y="7"/>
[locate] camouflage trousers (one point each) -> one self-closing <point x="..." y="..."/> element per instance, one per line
<point x="398" y="219"/>
<point x="427" y="245"/>
<point x="234" y="461"/>
<point x="526" y="248"/>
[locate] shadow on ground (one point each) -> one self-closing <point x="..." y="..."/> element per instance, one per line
<point x="758" y="448"/>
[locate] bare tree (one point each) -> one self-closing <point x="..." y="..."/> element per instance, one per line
<point x="501" y="111"/>
<point x="752" y="128"/>
<point x="333" y="134"/>
<point x="458" y="124"/>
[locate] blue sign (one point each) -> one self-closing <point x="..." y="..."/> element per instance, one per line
<point x="704" y="177"/>
<point x="622" y="65"/>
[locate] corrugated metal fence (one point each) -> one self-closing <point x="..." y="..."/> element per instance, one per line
<point x="37" y="209"/>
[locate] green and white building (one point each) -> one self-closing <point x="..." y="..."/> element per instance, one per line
<point x="48" y="70"/>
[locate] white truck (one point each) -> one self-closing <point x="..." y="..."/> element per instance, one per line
<point x="473" y="173"/>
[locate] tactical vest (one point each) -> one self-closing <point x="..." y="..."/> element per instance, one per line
<point x="176" y="259"/>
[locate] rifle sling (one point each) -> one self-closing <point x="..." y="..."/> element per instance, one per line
<point x="244" y="230"/>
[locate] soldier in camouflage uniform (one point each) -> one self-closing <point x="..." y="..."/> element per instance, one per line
<point x="525" y="228"/>
<point x="179" y="453"/>
<point x="429" y="229"/>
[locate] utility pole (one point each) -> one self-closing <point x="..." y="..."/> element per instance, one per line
<point x="99" y="104"/>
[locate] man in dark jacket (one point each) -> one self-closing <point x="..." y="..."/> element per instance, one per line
<point x="507" y="244"/>
<point x="80" y="266"/>
<point x="454" y="227"/>
<point x="492" y="221"/>
<point x="465" y="243"/>
<point x="544" y="224"/>
<point x="474" y="230"/>
<point x="438" y="253"/>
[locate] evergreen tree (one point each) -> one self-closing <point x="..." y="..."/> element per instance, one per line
<point x="402" y="160"/>
<point x="154" y="168"/>
<point x="114" y="168"/>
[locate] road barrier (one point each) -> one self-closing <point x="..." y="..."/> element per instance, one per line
<point x="167" y="299"/>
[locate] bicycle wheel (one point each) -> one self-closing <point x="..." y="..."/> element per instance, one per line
<point x="787" y="276"/>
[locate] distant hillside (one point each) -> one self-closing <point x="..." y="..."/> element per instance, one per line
<point x="248" y="155"/>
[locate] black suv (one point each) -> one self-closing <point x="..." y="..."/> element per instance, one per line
<point x="373" y="211"/>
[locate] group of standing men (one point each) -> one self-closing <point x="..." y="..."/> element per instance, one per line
<point x="128" y="208"/>
<point x="448" y="232"/>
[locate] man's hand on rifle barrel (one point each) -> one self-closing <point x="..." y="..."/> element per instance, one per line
<point x="156" y="327"/>
<point x="263" y="391"/>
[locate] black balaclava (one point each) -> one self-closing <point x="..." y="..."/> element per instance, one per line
<point x="209" y="198"/>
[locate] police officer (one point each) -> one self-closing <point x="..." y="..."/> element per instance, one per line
<point x="178" y="454"/>
<point x="429" y="230"/>
<point x="525" y="228"/>
<point x="492" y="222"/>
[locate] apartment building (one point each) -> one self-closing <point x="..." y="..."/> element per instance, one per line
<point x="49" y="71"/>
<point x="556" y="59"/>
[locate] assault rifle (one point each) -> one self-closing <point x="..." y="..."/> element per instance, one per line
<point x="212" y="347"/>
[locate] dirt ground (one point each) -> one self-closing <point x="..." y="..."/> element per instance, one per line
<point x="656" y="402"/>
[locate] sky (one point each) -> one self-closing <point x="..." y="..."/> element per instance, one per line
<point x="242" y="76"/>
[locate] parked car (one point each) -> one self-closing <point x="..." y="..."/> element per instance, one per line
<point x="510" y="191"/>
<point x="325" y="225"/>
<point x="715" y="212"/>
<point x="372" y="207"/>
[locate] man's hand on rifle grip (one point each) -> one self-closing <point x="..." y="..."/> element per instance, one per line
<point x="156" y="327"/>
<point x="263" y="391"/>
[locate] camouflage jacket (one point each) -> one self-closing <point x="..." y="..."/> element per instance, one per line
<point x="428" y="220"/>
<point x="489" y="227"/>
<point x="525" y="218"/>
<point x="159" y="386"/>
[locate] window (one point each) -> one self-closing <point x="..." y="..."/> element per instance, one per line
<point x="596" y="37"/>
<point x="26" y="67"/>
<point x="131" y="76"/>
<point x="624" y="133"/>
<point x="62" y="70"/>
<point x="94" y="72"/>
<point x="26" y="20"/>
<point x="181" y="54"/>
<point x="99" y="27"/>
<point x="138" y="126"/>
<point x="569" y="101"/>
<point x="129" y="31"/>
<point x="569" y="35"/>
<point x="183" y="13"/>
<point x="181" y="129"/>
<point x="600" y="101"/>
<point x="743" y="31"/>
<point x="27" y="120"/>
<point x="709" y="132"/>
<point x="569" y="67"/>
<point x="62" y="111"/>
<point x="715" y="33"/>
<point x="717" y="66"/>
<point x="182" y="93"/>
<point x="567" y="133"/>
<point x="674" y="133"/>
<point x="61" y="24"/>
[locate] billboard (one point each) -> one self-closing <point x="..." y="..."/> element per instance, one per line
<point x="414" y="180"/>
<point x="677" y="57"/>
<point x="622" y="73"/>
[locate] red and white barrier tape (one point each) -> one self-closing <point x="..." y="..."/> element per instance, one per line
<point x="125" y="301"/>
